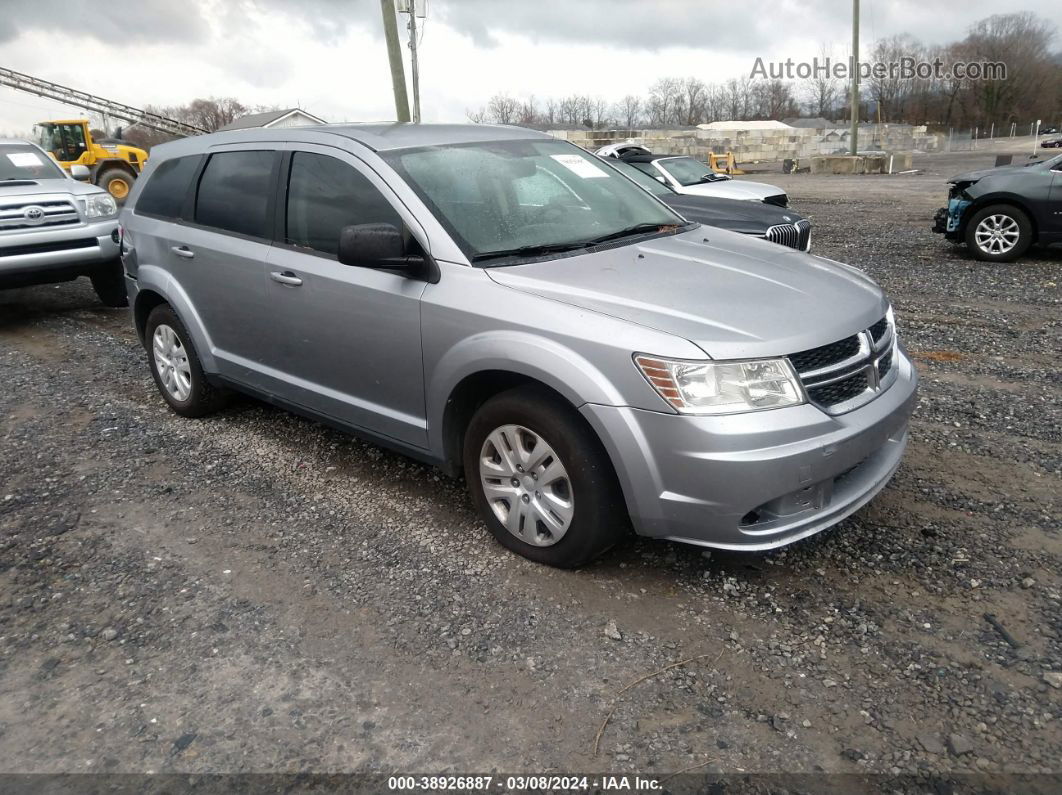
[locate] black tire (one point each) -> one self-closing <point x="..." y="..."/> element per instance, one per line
<point x="599" y="516"/>
<point x="115" y="175"/>
<point x="203" y="397"/>
<point x="109" y="284"/>
<point x="1024" y="227"/>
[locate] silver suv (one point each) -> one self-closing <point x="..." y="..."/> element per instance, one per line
<point x="54" y="228"/>
<point x="507" y="306"/>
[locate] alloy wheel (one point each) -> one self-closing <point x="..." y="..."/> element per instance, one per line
<point x="997" y="234"/>
<point x="171" y="361"/>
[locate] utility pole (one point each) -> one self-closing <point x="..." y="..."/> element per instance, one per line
<point x="394" y="55"/>
<point x="413" y="60"/>
<point x="855" y="78"/>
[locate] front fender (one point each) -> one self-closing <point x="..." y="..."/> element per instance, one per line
<point x="157" y="280"/>
<point x="544" y="360"/>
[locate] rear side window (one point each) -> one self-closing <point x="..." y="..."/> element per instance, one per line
<point x="167" y="187"/>
<point x="234" y="193"/>
<point x="324" y="195"/>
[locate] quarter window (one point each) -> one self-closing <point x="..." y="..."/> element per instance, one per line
<point x="167" y="188"/>
<point x="234" y="193"/>
<point x="325" y="195"/>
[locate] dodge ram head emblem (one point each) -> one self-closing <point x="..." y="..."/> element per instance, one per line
<point x="33" y="214"/>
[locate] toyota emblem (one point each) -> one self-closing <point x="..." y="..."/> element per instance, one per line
<point x="33" y="214"/>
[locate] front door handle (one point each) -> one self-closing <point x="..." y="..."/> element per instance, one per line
<point x="183" y="252"/>
<point x="286" y="277"/>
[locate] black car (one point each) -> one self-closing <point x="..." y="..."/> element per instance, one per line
<point x="999" y="212"/>
<point x="1052" y="143"/>
<point x="772" y="223"/>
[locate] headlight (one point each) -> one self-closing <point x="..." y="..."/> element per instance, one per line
<point x="722" y="387"/>
<point x="99" y="205"/>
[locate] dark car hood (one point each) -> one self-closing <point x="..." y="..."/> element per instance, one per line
<point x="733" y="295"/>
<point x="739" y="216"/>
<point x="974" y="176"/>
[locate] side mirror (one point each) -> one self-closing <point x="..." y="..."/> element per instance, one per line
<point x="80" y="173"/>
<point x="372" y="246"/>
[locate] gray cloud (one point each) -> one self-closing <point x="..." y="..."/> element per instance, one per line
<point x="116" y="22"/>
<point x="636" y="24"/>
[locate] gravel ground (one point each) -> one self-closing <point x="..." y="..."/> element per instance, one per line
<point x="254" y="592"/>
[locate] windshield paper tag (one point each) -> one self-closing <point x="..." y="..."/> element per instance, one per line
<point x="579" y="166"/>
<point x="25" y="159"/>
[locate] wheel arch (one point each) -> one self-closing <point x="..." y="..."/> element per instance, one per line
<point x="989" y="200"/>
<point x="154" y="287"/>
<point x="483" y="366"/>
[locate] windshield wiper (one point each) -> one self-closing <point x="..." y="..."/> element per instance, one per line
<point x="557" y="248"/>
<point x="530" y="251"/>
<point x="637" y="229"/>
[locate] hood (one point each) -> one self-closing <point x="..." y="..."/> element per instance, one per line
<point x="732" y="189"/>
<point x="732" y="295"/>
<point x="974" y="176"/>
<point x="37" y="186"/>
<point x="740" y="216"/>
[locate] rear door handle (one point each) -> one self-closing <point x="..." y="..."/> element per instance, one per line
<point x="286" y="277"/>
<point x="183" y="252"/>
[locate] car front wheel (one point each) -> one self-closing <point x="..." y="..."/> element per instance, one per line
<point x="999" y="233"/>
<point x="541" y="479"/>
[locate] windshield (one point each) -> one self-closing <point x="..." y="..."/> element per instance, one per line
<point x="651" y="184"/>
<point x="686" y="170"/>
<point x="516" y="198"/>
<point x="21" y="161"/>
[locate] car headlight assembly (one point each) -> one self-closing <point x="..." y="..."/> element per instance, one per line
<point x="730" y="387"/>
<point x="99" y="205"/>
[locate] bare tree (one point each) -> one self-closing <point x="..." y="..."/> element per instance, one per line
<point x="503" y="109"/>
<point x="629" y="111"/>
<point x="527" y="115"/>
<point x="598" y="114"/>
<point x="822" y="88"/>
<point x="212" y="114"/>
<point x="664" y="97"/>
<point x="476" y="116"/>
<point x="551" y="111"/>
<point x="694" y="94"/>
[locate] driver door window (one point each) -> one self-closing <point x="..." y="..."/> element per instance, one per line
<point x="325" y="195"/>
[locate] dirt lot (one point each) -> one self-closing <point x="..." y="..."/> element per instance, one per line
<point x="254" y="592"/>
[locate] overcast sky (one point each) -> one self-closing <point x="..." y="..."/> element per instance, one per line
<point x="328" y="55"/>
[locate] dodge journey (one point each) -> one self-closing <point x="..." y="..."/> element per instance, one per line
<point x="512" y="309"/>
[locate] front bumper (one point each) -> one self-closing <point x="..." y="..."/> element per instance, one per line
<point x="947" y="221"/>
<point x="62" y="248"/>
<point x="760" y="480"/>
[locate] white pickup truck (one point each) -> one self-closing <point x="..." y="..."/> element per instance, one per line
<point x="55" y="227"/>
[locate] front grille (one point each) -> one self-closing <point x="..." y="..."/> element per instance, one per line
<point x="827" y="355"/>
<point x="46" y="248"/>
<point x="877" y="331"/>
<point x="838" y="375"/>
<point x="53" y="213"/>
<point x="778" y="200"/>
<point x="792" y="235"/>
<point x="839" y="391"/>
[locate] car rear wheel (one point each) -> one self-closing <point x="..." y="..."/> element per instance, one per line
<point x="109" y="284"/>
<point x="541" y="480"/>
<point x="175" y="366"/>
<point x="998" y="233"/>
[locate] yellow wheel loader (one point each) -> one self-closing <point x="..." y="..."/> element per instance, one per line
<point x="113" y="166"/>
